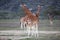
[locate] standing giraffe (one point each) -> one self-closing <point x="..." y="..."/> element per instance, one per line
<point x="33" y="19"/>
<point x="51" y="18"/>
<point x="23" y="21"/>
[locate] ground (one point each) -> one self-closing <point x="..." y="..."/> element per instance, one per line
<point x="44" y="25"/>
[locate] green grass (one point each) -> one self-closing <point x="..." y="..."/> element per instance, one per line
<point x="9" y="20"/>
<point x="43" y="26"/>
<point x="49" y="28"/>
<point x="9" y="28"/>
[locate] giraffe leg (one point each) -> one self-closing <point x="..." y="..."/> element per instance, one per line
<point x="32" y="30"/>
<point x="24" y="26"/>
<point x="36" y="29"/>
<point x="21" y="25"/>
<point x="28" y="30"/>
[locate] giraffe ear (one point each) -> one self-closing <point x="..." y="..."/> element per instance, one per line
<point x="25" y="5"/>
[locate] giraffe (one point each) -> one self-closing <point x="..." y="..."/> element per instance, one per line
<point x="51" y="18"/>
<point x="29" y="13"/>
<point x="33" y="19"/>
<point x="23" y="21"/>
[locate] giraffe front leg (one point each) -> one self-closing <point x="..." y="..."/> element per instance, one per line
<point x="25" y="23"/>
<point x="22" y="25"/>
<point x="36" y="29"/>
<point x="28" y="30"/>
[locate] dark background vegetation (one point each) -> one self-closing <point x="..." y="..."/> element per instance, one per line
<point x="10" y="9"/>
